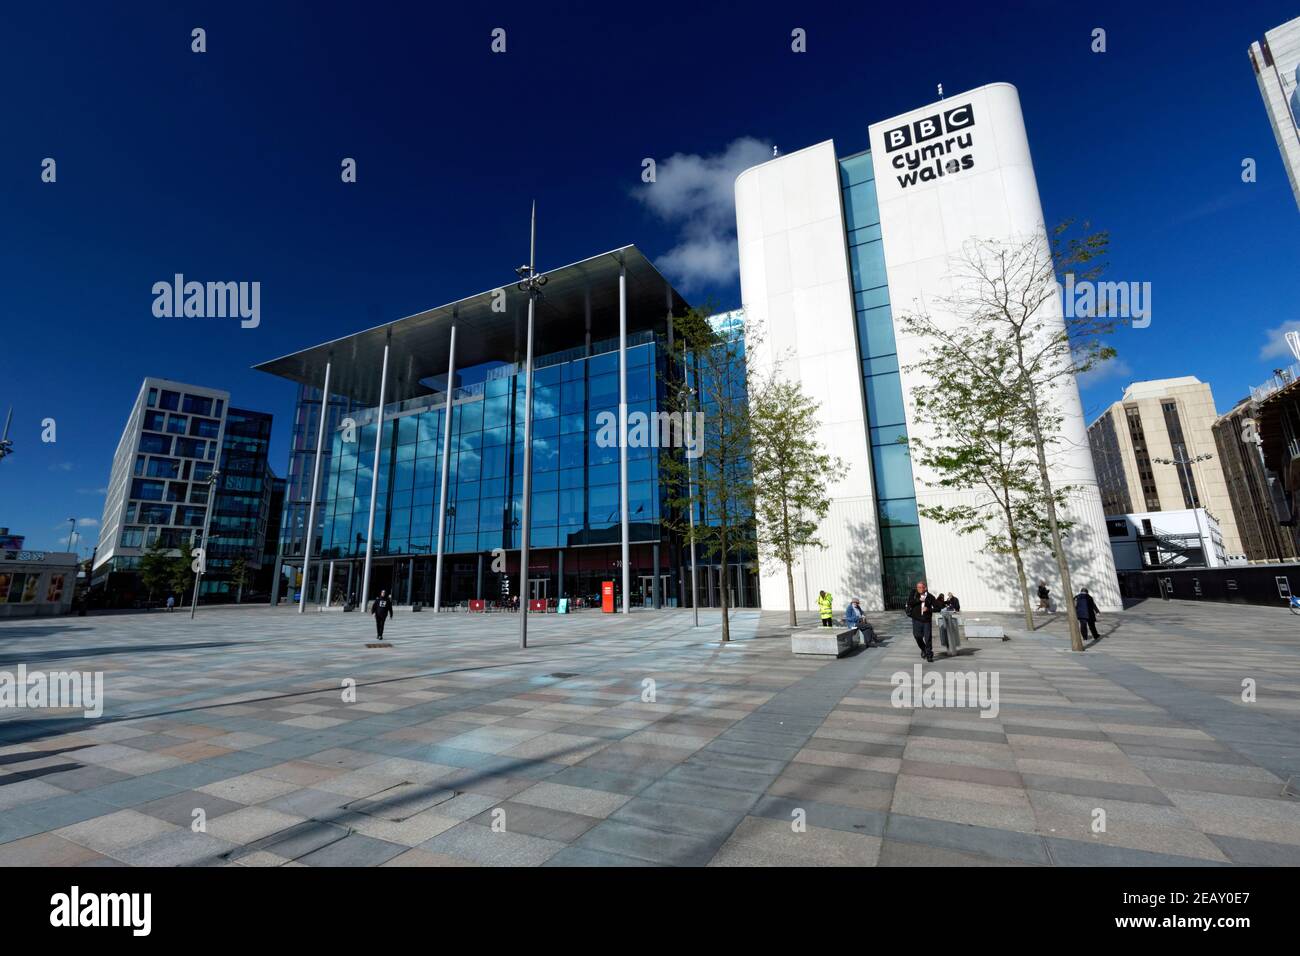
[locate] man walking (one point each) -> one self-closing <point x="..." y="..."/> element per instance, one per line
<point x="1085" y="609"/>
<point x="381" y="609"/>
<point x="920" y="608"/>
<point x="825" y="608"/>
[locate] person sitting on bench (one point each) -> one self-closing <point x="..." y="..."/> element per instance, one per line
<point x="854" y="617"/>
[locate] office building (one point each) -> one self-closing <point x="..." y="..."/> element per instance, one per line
<point x="400" y="382"/>
<point x="1276" y="61"/>
<point x="1155" y="450"/>
<point x="832" y="245"/>
<point x="1265" y="523"/>
<point x="175" y="435"/>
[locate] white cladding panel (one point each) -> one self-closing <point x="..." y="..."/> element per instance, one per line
<point x="980" y="185"/>
<point x="796" y="289"/>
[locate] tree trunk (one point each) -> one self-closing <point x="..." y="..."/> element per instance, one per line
<point x="1024" y="583"/>
<point x="722" y="588"/>
<point x="789" y="583"/>
<point x="789" y="570"/>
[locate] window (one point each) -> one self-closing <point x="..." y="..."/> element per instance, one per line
<point x="148" y="490"/>
<point x="156" y="444"/>
<point x="197" y="404"/>
<point x="191" y="448"/>
<point x="170" y="400"/>
<point x="132" y="537"/>
<point x="163" y="468"/>
<point x="153" y="397"/>
<point x="155" y="514"/>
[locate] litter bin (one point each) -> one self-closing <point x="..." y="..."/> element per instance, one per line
<point x="950" y="630"/>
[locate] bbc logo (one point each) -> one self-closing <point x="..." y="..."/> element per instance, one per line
<point x="929" y="127"/>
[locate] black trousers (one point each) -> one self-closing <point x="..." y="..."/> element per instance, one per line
<point x="1086" y="624"/>
<point x="923" y="632"/>
<point x="379" y="624"/>
<point x="827" y="622"/>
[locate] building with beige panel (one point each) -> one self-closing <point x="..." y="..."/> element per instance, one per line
<point x="1136" y="441"/>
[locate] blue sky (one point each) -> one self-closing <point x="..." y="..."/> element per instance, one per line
<point x="225" y="166"/>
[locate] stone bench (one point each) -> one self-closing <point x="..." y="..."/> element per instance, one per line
<point x="823" y="642"/>
<point x="982" y="630"/>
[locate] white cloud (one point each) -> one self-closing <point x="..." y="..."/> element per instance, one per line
<point x="81" y="523"/>
<point x="1275" y="346"/>
<point x="1104" y="372"/>
<point x="62" y="466"/>
<point x="92" y="491"/>
<point x="697" y="194"/>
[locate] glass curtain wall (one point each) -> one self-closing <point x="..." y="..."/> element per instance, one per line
<point x="903" y="562"/>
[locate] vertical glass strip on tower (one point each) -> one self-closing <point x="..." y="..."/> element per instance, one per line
<point x="903" y="563"/>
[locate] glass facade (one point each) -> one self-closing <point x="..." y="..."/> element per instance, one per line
<point x="302" y="457"/>
<point x="575" y="518"/>
<point x="243" y="503"/>
<point x="575" y="478"/>
<point x="903" y="563"/>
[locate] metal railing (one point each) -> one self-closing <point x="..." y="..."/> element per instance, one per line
<point x="1287" y="376"/>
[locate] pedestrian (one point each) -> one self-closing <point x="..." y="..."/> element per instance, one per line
<point x="826" y="608"/>
<point x="1042" y="595"/>
<point x="381" y="608"/>
<point x="920" y="608"/>
<point x="953" y="603"/>
<point x="171" y="602"/>
<point x="854" y="617"/>
<point x="1085" y="609"/>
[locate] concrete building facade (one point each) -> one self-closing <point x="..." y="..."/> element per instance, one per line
<point x="1136" y="439"/>
<point x="831" y="248"/>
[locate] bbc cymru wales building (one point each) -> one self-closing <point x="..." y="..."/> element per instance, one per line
<point x="832" y="247"/>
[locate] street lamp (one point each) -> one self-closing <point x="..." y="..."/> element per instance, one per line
<point x="686" y="393"/>
<point x="7" y="446"/>
<point x="72" y="529"/>
<point x="200" y="554"/>
<point x="1180" y="458"/>
<point x="530" y="284"/>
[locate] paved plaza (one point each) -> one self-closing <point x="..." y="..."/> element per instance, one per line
<point x="633" y="741"/>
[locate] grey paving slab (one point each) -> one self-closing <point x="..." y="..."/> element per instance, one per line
<point x="241" y="711"/>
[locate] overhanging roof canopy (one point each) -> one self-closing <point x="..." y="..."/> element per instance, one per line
<point x="420" y="342"/>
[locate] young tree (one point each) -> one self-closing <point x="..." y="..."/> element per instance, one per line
<point x="791" y="474"/>
<point x="1004" y="292"/>
<point x="983" y="446"/>
<point x="709" y="375"/>
<point x="155" y="568"/>
<point x="238" y="575"/>
<point x="182" y="574"/>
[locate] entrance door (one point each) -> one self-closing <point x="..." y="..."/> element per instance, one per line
<point x="539" y="589"/>
<point x="648" y="589"/>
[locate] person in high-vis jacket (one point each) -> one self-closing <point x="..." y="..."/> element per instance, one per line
<point x="826" y="608"/>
